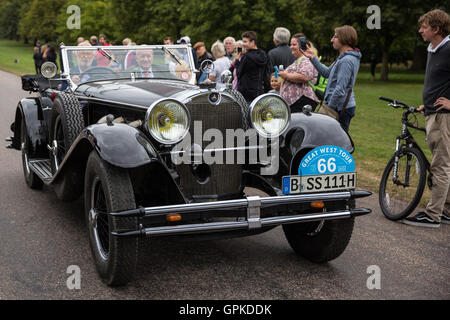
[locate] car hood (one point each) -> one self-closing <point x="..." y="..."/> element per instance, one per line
<point x="139" y="92"/>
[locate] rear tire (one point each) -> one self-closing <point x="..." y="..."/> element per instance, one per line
<point x="109" y="189"/>
<point x="396" y="201"/>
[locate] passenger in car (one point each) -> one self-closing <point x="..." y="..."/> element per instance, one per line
<point x="85" y="60"/>
<point x="144" y="59"/>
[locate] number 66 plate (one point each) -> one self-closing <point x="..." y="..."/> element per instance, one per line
<point x="319" y="183"/>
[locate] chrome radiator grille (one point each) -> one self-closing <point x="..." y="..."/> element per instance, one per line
<point x="225" y="178"/>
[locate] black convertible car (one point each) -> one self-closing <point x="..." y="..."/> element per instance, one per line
<point x="156" y="155"/>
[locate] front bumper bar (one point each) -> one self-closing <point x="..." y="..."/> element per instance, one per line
<point x="253" y="219"/>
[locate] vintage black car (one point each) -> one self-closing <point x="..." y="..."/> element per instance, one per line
<point x="128" y="129"/>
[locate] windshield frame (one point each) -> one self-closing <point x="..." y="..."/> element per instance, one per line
<point x="65" y="60"/>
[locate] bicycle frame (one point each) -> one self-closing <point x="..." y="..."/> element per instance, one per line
<point x="410" y="142"/>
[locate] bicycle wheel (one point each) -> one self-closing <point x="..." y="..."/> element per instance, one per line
<point x="398" y="199"/>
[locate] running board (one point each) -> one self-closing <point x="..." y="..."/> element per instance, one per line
<point x="42" y="168"/>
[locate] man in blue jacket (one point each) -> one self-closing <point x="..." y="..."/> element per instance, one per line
<point x="341" y="74"/>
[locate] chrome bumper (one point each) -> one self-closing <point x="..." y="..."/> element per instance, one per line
<point x="253" y="220"/>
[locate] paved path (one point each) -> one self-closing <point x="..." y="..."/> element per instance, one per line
<point x="41" y="236"/>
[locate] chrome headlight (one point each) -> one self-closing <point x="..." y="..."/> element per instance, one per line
<point x="168" y="121"/>
<point x="270" y="115"/>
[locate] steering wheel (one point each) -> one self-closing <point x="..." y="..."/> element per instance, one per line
<point x="100" y="74"/>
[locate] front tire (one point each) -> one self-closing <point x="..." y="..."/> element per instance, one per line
<point x="321" y="241"/>
<point x="398" y="201"/>
<point x="109" y="189"/>
<point x="31" y="178"/>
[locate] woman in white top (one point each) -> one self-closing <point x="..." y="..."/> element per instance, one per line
<point x="221" y="63"/>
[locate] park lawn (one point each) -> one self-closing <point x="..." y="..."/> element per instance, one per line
<point x="373" y="129"/>
<point x="11" y="50"/>
<point x="376" y="125"/>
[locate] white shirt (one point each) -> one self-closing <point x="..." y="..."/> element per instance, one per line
<point x="220" y="65"/>
<point x="444" y="41"/>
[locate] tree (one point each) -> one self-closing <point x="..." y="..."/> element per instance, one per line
<point x="10" y="13"/>
<point x="39" y="22"/>
<point x="96" y="17"/>
<point x="398" y="23"/>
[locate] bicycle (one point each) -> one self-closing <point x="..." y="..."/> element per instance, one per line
<point x="403" y="181"/>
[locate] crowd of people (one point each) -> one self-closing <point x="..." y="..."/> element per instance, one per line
<point x="293" y="70"/>
<point x="286" y="70"/>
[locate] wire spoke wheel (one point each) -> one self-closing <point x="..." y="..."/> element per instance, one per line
<point x="100" y="228"/>
<point x="59" y="138"/>
<point x="400" y="197"/>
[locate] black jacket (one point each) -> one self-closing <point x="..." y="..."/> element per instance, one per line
<point x="280" y="55"/>
<point x="251" y="73"/>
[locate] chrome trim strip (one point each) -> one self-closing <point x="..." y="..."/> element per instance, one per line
<point x="136" y="106"/>
<point x="233" y="225"/>
<point x="237" y="203"/>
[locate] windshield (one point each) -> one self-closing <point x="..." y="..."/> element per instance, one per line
<point x="86" y="64"/>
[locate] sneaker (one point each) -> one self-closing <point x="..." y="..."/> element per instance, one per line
<point x="421" y="220"/>
<point x="445" y="218"/>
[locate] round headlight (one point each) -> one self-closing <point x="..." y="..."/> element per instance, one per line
<point x="270" y="115"/>
<point x="167" y="121"/>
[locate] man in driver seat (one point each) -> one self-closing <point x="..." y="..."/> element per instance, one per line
<point x="144" y="59"/>
<point x="85" y="59"/>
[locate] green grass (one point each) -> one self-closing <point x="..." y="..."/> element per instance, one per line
<point x="376" y="125"/>
<point x="11" y="50"/>
<point x="373" y="129"/>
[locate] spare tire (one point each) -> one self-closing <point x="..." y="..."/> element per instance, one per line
<point x="245" y="108"/>
<point x="67" y="122"/>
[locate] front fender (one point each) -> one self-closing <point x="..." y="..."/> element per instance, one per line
<point x="121" y="145"/>
<point x="307" y="132"/>
<point x="34" y="112"/>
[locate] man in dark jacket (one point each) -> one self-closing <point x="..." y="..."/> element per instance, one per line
<point x="251" y="68"/>
<point x="435" y="29"/>
<point x="281" y="55"/>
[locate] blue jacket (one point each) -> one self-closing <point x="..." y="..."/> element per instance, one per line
<point x="341" y="78"/>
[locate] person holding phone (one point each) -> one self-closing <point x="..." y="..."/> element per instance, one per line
<point x="341" y="74"/>
<point x="239" y="51"/>
<point x="295" y="88"/>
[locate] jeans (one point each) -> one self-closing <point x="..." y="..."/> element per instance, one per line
<point x="345" y="117"/>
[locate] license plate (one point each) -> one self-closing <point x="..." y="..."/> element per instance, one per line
<point x="319" y="183"/>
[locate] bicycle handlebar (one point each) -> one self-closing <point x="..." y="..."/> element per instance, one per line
<point x="386" y="99"/>
<point x="397" y="104"/>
